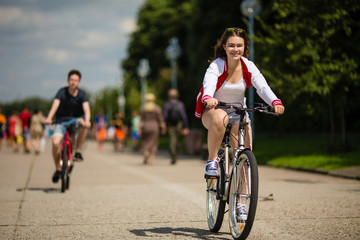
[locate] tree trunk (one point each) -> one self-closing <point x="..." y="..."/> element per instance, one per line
<point x="344" y="142"/>
<point x="332" y="122"/>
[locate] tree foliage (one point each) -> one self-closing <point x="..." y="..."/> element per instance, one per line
<point x="106" y="100"/>
<point x="311" y="57"/>
<point x="197" y="24"/>
<point x="32" y="103"/>
<point x="306" y="49"/>
<point x="158" y="21"/>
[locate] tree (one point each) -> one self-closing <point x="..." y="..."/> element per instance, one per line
<point x="33" y="103"/>
<point x="311" y="49"/>
<point x="106" y="100"/>
<point x="197" y="24"/>
<point x="158" y="22"/>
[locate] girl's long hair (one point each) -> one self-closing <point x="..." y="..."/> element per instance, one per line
<point x="219" y="51"/>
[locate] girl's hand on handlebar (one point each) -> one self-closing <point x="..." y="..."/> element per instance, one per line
<point x="211" y="102"/>
<point x="279" y="109"/>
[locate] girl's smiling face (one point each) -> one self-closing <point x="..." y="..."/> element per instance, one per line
<point x="234" y="47"/>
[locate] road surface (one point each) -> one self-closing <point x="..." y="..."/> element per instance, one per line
<point x="114" y="196"/>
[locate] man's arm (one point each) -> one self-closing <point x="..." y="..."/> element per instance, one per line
<point x="87" y="114"/>
<point x="166" y="111"/>
<point x="53" y="109"/>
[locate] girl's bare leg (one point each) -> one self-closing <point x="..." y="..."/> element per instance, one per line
<point x="215" y="121"/>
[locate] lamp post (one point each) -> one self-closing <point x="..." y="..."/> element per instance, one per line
<point x="173" y="51"/>
<point x="251" y="8"/>
<point x="121" y="97"/>
<point x="143" y="71"/>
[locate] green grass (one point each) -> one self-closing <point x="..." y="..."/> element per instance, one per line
<point x="308" y="152"/>
<point x="304" y="152"/>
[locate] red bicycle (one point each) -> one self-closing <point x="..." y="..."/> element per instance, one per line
<point x="66" y="159"/>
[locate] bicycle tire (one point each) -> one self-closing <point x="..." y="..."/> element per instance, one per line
<point x="70" y="168"/>
<point x="247" y="191"/>
<point x="67" y="182"/>
<point x="64" y="169"/>
<point x="215" y="206"/>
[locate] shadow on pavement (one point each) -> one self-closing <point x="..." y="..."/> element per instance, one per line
<point x="45" y="190"/>
<point x="188" y="233"/>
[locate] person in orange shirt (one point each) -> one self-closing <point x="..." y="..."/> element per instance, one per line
<point x="100" y="128"/>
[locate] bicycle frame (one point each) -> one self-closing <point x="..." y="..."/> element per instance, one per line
<point x="66" y="141"/>
<point x="237" y="151"/>
<point x="236" y="186"/>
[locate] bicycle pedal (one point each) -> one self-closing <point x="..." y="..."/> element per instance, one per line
<point x="210" y="177"/>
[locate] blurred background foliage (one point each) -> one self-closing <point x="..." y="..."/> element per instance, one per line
<point x="307" y="50"/>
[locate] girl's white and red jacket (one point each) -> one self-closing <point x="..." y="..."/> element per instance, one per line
<point x="216" y="75"/>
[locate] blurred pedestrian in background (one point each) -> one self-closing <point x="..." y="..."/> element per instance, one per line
<point x="15" y="131"/>
<point x="25" y="117"/>
<point x="151" y="123"/>
<point x="176" y="122"/>
<point x="135" y="121"/>
<point x="37" y="129"/>
<point x="100" y="129"/>
<point x="120" y="132"/>
<point x="2" y="127"/>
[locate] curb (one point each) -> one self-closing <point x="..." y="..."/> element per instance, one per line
<point x="329" y="173"/>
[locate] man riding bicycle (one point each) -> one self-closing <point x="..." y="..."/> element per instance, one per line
<point x="69" y="103"/>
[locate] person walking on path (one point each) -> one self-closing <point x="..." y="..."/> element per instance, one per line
<point x="226" y="80"/>
<point x="25" y="117"/>
<point x="70" y="103"/>
<point x="151" y="123"/>
<point x="120" y="132"/>
<point x="2" y="127"/>
<point x="37" y="129"/>
<point x="15" y="131"/>
<point x="176" y="122"/>
<point x="135" y="121"/>
<point x="100" y="129"/>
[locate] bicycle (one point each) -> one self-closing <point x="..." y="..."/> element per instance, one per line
<point x="66" y="159"/>
<point x="238" y="185"/>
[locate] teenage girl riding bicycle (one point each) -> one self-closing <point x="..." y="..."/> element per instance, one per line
<point x="70" y="103"/>
<point x="226" y="80"/>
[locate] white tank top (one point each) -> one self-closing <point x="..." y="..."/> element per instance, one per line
<point x="231" y="92"/>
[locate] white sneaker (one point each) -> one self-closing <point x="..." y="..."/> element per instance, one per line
<point x="241" y="214"/>
<point x="211" y="168"/>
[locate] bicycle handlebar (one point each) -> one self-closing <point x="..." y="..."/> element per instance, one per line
<point x="66" y="123"/>
<point x="238" y="107"/>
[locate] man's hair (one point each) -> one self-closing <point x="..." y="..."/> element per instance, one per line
<point x="74" y="71"/>
<point x="173" y="93"/>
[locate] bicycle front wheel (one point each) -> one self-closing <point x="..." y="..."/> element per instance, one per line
<point x="67" y="181"/>
<point x="215" y="206"/>
<point x="64" y="172"/>
<point x="243" y="195"/>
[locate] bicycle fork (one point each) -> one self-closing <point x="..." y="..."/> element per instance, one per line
<point x="69" y="150"/>
<point x="238" y="186"/>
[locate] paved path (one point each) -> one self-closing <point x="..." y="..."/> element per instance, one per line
<point x="113" y="196"/>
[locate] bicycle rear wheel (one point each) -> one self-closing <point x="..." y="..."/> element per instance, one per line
<point x="64" y="174"/>
<point x="215" y="206"/>
<point x="243" y="190"/>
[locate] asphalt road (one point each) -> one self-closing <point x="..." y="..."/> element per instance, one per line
<point x="113" y="196"/>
